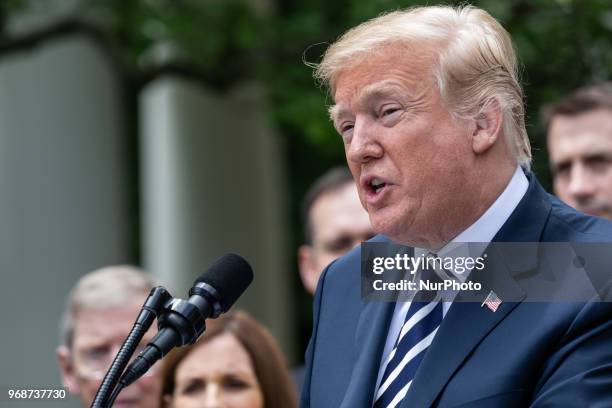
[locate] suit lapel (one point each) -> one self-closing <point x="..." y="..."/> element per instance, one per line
<point x="458" y="336"/>
<point x="468" y="323"/>
<point x="528" y="219"/>
<point x="369" y="344"/>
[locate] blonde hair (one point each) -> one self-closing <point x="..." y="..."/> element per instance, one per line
<point x="475" y="65"/>
<point x="102" y="289"/>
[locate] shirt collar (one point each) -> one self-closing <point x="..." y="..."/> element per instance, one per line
<point x="485" y="228"/>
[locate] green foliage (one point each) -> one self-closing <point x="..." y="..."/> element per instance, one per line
<point x="562" y="44"/>
<point x="215" y="39"/>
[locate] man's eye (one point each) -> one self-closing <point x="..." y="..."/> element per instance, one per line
<point x="389" y="111"/>
<point x="598" y="163"/>
<point x="100" y="351"/>
<point x="345" y="127"/>
<point x="562" y="169"/>
<point x="340" y="244"/>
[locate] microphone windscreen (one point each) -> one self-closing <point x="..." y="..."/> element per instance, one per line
<point x="230" y="275"/>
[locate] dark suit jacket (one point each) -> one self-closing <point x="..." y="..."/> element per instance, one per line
<point x="555" y="354"/>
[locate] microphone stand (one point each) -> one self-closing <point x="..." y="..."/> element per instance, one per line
<point x="149" y="311"/>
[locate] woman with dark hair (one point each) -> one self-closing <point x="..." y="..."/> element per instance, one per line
<point x="236" y="364"/>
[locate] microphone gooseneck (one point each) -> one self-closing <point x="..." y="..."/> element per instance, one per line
<point x="149" y="311"/>
<point x="181" y="322"/>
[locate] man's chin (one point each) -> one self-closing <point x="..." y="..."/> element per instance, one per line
<point x="390" y="229"/>
<point x="404" y="236"/>
<point x="598" y="212"/>
<point x="607" y="216"/>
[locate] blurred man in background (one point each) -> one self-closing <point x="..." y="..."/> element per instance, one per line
<point x="580" y="147"/>
<point x="334" y="223"/>
<point x="100" y="313"/>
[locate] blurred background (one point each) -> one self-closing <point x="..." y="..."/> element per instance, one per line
<point x="165" y="133"/>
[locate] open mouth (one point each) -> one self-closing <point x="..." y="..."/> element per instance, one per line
<point x="375" y="185"/>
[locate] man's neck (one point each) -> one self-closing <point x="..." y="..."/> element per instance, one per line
<point x="486" y="191"/>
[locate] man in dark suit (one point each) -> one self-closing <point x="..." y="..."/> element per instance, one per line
<point x="334" y="223"/>
<point x="429" y="107"/>
<point x="579" y="140"/>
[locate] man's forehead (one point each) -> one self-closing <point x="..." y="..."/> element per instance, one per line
<point x="354" y="89"/>
<point x="599" y="120"/>
<point x="592" y="130"/>
<point x="339" y="207"/>
<point x="91" y="321"/>
<point x="341" y="197"/>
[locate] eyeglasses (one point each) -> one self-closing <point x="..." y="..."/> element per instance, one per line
<point x="94" y="362"/>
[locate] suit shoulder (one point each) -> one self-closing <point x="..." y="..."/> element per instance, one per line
<point x="567" y="224"/>
<point x="348" y="266"/>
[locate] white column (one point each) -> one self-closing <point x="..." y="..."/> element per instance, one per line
<point x="63" y="205"/>
<point x="213" y="182"/>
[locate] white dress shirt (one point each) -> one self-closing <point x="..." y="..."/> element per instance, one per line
<point x="483" y="230"/>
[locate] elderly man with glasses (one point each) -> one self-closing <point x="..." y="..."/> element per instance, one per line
<point x="99" y="314"/>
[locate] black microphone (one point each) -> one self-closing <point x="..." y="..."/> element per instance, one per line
<point x="181" y="321"/>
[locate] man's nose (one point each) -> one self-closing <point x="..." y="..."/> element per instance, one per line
<point x="364" y="145"/>
<point x="581" y="184"/>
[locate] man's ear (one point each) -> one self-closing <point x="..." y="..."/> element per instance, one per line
<point x="487" y="126"/>
<point x="67" y="373"/>
<point x="307" y="270"/>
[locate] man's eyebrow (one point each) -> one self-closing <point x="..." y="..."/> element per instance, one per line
<point x="336" y="112"/>
<point x="365" y="95"/>
<point x="555" y="166"/>
<point x="380" y="90"/>
<point x="415" y="97"/>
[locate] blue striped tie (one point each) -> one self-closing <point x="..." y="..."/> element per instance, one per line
<point x="419" y="328"/>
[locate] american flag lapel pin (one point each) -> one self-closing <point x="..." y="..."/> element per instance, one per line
<point x="492" y="301"/>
